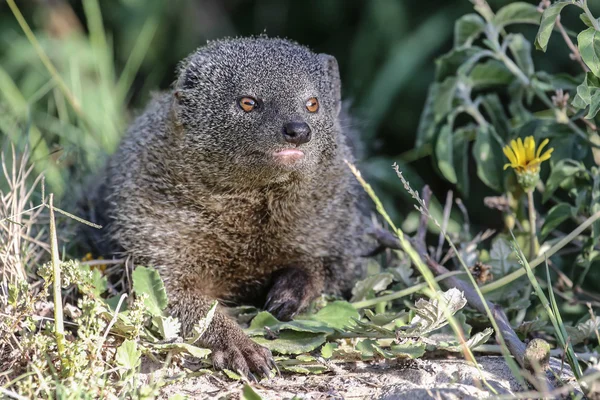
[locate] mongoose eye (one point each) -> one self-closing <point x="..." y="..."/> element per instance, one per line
<point x="312" y="104"/>
<point x="248" y="104"/>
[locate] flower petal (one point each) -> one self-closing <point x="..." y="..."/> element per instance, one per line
<point x="507" y="165"/>
<point x="510" y="155"/>
<point x="515" y="148"/>
<point x="530" y="148"/>
<point x="542" y="145"/>
<point x="546" y="155"/>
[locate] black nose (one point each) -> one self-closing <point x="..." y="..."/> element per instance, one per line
<point x="296" y="133"/>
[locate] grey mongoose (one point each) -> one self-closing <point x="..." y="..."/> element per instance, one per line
<point x="233" y="185"/>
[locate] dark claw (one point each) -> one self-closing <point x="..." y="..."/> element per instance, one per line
<point x="249" y="376"/>
<point x="266" y="372"/>
<point x="272" y="364"/>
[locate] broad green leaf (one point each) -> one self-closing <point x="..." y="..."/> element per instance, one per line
<point x="262" y="319"/>
<point x="488" y="157"/>
<point x="265" y="319"/>
<point x="293" y="342"/>
<point x="168" y="327"/>
<point x="430" y="314"/>
<point x="467" y="28"/>
<point x="586" y="20"/>
<point x="495" y="111"/>
<point x="474" y="341"/>
<point x="588" y="94"/>
<point x="444" y="154"/>
<point x="442" y="103"/>
<point x="490" y="73"/>
<point x="202" y="325"/>
<point x="502" y="257"/>
<point x="521" y="51"/>
<point x="128" y="356"/>
<point x="232" y="375"/>
<point x="305" y="368"/>
<point x="338" y="315"/>
<point x="327" y="350"/>
<point x="147" y="280"/>
<point x="249" y="394"/>
<point x="195" y="351"/>
<point x="588" y="43"/>
<point x="447" y="65"/>
<point x="557" y="215"/>
<point x="583" y="331"/>
<point x="461" y="143"/>
<point x="370" y="285"/>
<point x="427" y="125"/>
<point x="408" y="349"/>
<point x="547" y="23"/>
<point x="516" y="13"/>
<point x="98" y="281"/>
<point x="561" y="171"/>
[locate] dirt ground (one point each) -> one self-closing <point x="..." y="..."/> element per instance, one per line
<point x="414" y="380"/>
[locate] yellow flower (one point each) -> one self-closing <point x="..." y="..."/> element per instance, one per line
<point x="523" y="157"/>
<point x="525" y="160"/>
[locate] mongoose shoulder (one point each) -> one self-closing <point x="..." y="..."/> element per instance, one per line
<point x="233" y="185"/>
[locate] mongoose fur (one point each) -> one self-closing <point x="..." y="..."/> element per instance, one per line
<point x="225" y="203"/>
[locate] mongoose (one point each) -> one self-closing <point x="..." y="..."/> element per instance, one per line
<point x="233" y="185"/>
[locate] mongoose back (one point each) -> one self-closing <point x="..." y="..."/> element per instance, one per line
<point x="233" y="185"/>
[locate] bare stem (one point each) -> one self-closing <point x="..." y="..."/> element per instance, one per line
<point x="574" y="50"/>
<point x="532" y="227"/>
<point x="59" y="327"/>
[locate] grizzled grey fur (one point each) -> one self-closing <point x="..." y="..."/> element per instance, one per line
<point x="194" y="190"/>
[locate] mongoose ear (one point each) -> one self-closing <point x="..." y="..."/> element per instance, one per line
<point x="332" y="80"/>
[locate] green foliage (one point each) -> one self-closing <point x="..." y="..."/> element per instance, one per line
<point x="147" y="281"/>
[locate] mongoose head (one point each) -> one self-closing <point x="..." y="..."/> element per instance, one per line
<point x="257" y="110"/>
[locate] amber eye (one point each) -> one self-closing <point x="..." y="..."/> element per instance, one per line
<point x="248" y="103"/>
<point x="312" y="104"/>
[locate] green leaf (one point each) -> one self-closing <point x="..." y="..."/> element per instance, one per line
<point x="232" y="375"/>
<point x="588" y="42"/>
<point x="442" y="103"/>
<point x="561" y="171"/>
<point x="408" y="349"/>
<point x="460" y="142"/>
<point x="447" y="65"/>
<point x="293" y="342"/>
<point x="262" y="319"/>
<point x="516" y="13"/>
<point x="249" y="394"/>
<point x="427" y="126"/>
<point x="147" y="280"/>
<point x="202" y="325"/>
<point x="338" y="314"/>
<point x="501" y="257"/>
<point x="182" y="348"/>
<point x="370" y="285"/>
<point x="444" y="154"/>
<point x="488" y="157"/>
<point x="474" y="341"/>
<point x="430" y="314"/>
<point x="521" y="51"/>
<point x="327" y="350"/>
<point x="98" y="281"/>
<point x="547" y="24"/>
<point x="557" y="215"/>
<point x="490" y="73"/>
<point x="467" y="28"/>
<point x="588" y="94"/>
<point x="495" y="111"/>
<point x="168" y="327"/>
<point x="583" y="330"/>
<point x="586" y="20"/>
<point x="128" y="356"/>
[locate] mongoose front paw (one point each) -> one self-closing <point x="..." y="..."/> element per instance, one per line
<point x="244" y="356"/>
<point x="289" y="294"/>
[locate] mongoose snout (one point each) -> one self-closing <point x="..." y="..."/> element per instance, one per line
<point x="233" y="185"/>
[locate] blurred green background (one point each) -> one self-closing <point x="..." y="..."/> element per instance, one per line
<point x="112" y="54"/>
